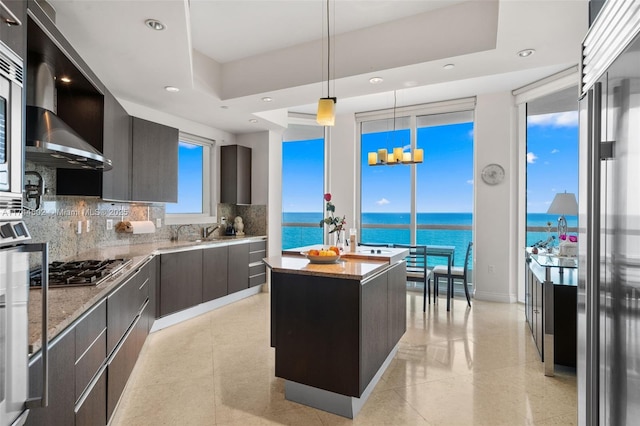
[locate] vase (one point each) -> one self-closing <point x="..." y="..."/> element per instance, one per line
<point x="338" y="240"/>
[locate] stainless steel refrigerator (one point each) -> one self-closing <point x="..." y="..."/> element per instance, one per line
<point x="609" y="219"/>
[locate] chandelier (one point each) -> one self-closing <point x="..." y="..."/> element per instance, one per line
<point x="397" y="155"/>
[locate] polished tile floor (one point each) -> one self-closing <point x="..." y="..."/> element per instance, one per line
<point x="474" y="366"/>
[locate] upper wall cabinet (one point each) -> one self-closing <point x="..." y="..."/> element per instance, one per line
<point x="154" y="161"/>
<point x="13" y="24"/>
<point x="235" y="174"/>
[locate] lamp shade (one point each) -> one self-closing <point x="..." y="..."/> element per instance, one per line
<point x="564" y="204"/>
<point x="326" y="112"/>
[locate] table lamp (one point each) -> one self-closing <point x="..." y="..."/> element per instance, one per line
<point x="563" y="204"/>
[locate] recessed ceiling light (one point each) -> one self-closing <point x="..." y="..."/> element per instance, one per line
<point x="171" y="89"/>
<point x="224" y="107"/>
<point x="376" y="80"/>
<point x="526" y="52"/>
<point x="449" y="66"/>
<point x="267" y="99"/>
<point x="65" y="79"/>
<point x="154" y="24"/>
<point x="253" y="120"/>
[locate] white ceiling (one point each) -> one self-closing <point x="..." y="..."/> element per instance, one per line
<point x="231" y="53"/>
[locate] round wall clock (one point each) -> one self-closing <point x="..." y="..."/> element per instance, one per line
<point x="493" y="174"/>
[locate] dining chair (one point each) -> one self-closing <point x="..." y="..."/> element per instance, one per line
<point x="417" y="270"/>
<point x="457" y="272"/>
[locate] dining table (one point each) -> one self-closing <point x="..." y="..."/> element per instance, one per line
<point x="447" y="252"/>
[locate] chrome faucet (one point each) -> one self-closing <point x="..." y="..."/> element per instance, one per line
<point x="176" y="237"/>
<point x="208" y="230"/>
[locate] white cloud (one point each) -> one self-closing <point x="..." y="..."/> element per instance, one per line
<point x="188" y="145"/>
<point x="470" y="181"/>
<point x="382" y="202"/>
<point x="556" y="119"/>
<point x="531" y="157"/>
<point x="555" y="151"/>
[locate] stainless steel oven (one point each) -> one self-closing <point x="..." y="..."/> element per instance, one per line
<point x="11" y="130"/>
<point x="15" y="247"/>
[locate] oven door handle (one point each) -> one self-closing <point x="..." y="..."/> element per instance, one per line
<point x="43" y="248"/>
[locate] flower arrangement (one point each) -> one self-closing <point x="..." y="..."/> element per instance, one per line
<point x="336" y="224"/>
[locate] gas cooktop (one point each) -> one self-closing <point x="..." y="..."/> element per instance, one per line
<point x="78" y="273"/>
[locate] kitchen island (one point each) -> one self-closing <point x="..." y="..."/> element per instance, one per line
<point x="336" y="327"/>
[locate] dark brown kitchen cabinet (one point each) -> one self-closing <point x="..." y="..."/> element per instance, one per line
<point x="238" y="273"/>
<point x="120" y="365"/>
<point x="235" y="174"/>
<point x="62" y="351"/>
<point x="116" y="183"/>
<point x="92" y="410"/>
<point x="91" y="346"/>
<point x="257" y="268"/>
<point x="154" y="162"/>
<point x="180" y="281"/>
<point x="13" y="25"/>
<point x="152" y="308"/>
<point x="124" y="305"/>
<point x="214" y="273"/>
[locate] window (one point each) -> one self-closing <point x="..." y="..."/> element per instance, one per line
<point x="302" y="185"/>
<point x="430" y="203"/>
<point x="194" y="199"/>
<point x="551" y="160"/>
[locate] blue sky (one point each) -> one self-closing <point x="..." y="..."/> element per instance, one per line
<point x="189" y="180"/>
<point x="552" y="158"/>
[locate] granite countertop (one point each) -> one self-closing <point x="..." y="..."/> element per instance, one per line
<point x="354" y="268"/>
<point x="388" y="254"/>
<point x="66" y="304"/>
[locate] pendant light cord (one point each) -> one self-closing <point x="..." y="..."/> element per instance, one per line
<point x="328" y="50"/>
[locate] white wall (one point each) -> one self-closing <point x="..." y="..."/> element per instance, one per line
<point x="495" y="207"/>
<point x="343" y="167"/>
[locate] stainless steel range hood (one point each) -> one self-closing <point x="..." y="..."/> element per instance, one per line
<point x="49" y="140"/>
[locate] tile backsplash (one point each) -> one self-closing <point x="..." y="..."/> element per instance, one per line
<point x="59" y="218"/>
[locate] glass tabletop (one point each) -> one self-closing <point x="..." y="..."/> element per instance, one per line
<point x="552" y="260"/>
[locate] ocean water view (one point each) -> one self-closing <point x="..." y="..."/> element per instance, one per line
<point x="439" y="229"/>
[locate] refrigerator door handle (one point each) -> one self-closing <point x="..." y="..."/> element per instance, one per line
<point x="43" y="400"/>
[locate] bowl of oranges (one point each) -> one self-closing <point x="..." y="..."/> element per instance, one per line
<point x="330" y="255"/>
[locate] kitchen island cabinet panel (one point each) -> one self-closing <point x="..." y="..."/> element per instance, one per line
<point x="316" y="333"/>
<point x="238" y="273"/>
<point x="397" y="299"/>
<point x="374" y="336"/>
<point x="180" y="281"/>
<point x="214" y="273"/>
<point x="154" y="171"/>
<point x="61" y="382"/>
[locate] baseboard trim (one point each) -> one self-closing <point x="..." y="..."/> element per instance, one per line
<point x="488" y="296"/>
<point x="203" y="308"/>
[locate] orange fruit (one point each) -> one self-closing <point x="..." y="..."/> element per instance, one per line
<point x="335" y="249"/>
<point x="314" y="252"/>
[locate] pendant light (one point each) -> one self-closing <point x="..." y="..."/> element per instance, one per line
<point x="327" y="106"/>
<point x="397" y="155"/>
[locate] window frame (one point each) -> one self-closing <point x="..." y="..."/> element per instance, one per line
<point x="411" y="112"/>
<point x="208" y="215"/>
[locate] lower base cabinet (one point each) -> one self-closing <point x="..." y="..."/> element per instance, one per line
<point x="92" y="410"/>
<point x="122" y="362"/>
<point x="62" y="354"/>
